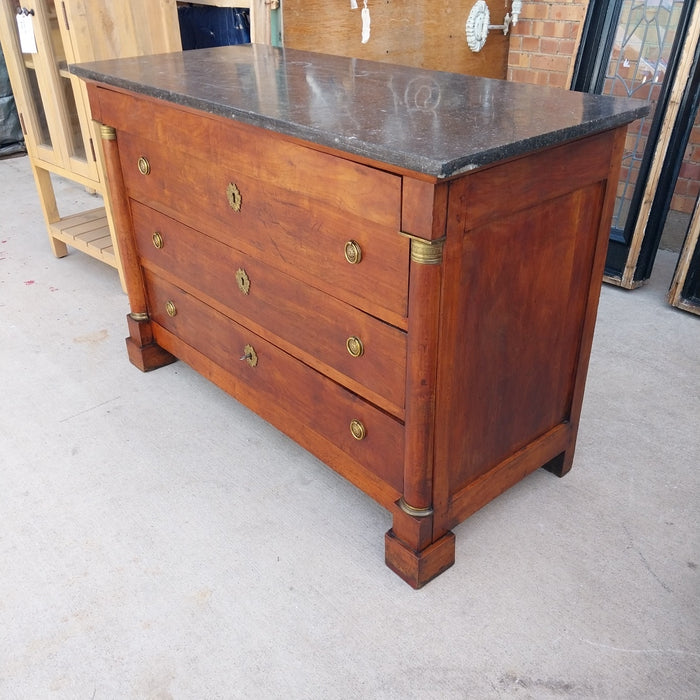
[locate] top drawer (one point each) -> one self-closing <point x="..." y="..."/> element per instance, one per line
<point x="293" y="207"/>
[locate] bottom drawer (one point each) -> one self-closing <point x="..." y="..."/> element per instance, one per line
<point x="274" y="384"/>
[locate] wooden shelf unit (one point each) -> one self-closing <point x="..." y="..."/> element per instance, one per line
<point x="61" y="139"/>
<point x="53" y="106"/>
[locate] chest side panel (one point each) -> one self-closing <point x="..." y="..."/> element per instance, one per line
<point x="518" y="270"/>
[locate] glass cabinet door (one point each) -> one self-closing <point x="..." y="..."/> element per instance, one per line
<point x="67" y="102"/>
<point x="23" y="56"/>
<point x="52" y="122"/>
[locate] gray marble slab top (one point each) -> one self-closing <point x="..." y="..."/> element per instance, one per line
<point x="435" y="123"/>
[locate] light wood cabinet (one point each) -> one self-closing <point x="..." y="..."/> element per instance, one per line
<point x="52" y="104"/>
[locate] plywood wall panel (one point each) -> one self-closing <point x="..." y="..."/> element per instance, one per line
<point x="409" y="32"/>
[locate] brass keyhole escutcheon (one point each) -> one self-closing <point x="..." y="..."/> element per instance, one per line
<point x="250" y="356"/>
<point x="353" y="252"/>
<point x="143" y="165"/>
<point x="354" y="346"/>
<point x="233" y="194"/>
<point x="158" y="241"/>
<point x="171" y="309"/>
<point x="357" y="429"/>
<point x="242" y="280"/>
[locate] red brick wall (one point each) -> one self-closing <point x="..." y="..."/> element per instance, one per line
<point x="544" y="43"/>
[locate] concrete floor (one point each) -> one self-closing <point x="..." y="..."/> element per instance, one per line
<point x="157" y="540"/>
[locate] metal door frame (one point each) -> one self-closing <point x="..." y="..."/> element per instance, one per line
<point x="631" y="252"/>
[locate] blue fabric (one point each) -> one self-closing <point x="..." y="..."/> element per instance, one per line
<point x="204" y="27"/>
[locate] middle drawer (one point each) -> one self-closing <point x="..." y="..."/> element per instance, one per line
<point x="359" y="351"/>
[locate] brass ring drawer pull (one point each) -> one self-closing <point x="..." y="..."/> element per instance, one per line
<point x="143" y="165"/>
<point x="355" y="346"/>
<point x="357" y="429"/>
<point x="242" y="280"/>
<point x="233" y="194"/>
<point x="171" y="309"/>
<point x="158" y="241"/>
<point x="353" y="252"/>
<point x="250" y="356"/>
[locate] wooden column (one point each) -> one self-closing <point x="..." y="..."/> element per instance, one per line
<point x="142" y="348"/>
<point x="410" y="550"/>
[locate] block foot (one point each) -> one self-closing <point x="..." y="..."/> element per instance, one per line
<point x="143" y="351"/>
<point x="418" y="568"/>
<point x="561" y="464"/>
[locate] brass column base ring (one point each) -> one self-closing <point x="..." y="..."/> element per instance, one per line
<point x="415" y="512"/>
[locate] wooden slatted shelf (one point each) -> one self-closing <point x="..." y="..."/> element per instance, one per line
<point x="87" y="231"/>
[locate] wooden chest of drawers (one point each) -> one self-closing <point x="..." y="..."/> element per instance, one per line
<point x="409" y="298"/>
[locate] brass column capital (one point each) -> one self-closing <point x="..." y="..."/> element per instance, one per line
<point x="425" y="252"/>
<point x="108" y="133"/>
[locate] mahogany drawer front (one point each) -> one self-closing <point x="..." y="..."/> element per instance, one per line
<point x="335" y="244"/>
<point x="256" y="152"/>
<point x="358" y="350"/>
<point x="270" y="375"/>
